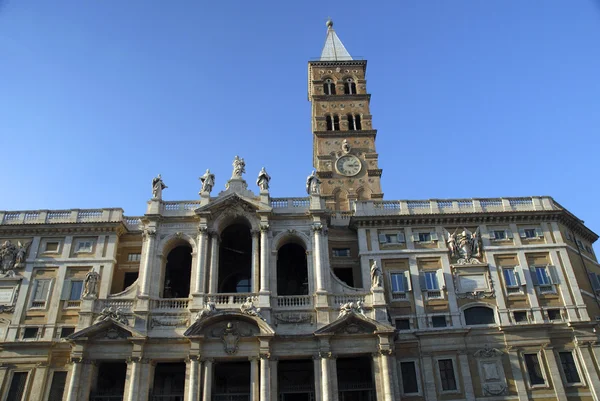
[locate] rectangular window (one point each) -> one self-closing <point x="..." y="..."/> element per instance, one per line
<point x="520" y="317"/>
<point x="529" y="233"/>
<point x="341" y="252"/>
<point x="76" y="289"/>
<point x="397" y="282"/>
<point x="431" y="281"/>
<point x="569" y="368"/>
<point x="30" y="333"/>
<point x="17" y="386"/>
<point x="51" y="246"/>
<point x="41" y="289"/>
<point x="438" y="321"/>
<point x="499" y="235"/>
<point x="392" y="238"/>
<point x="534" y="369"/>
<point x="402" y="324"/>
<point x="57" y="388"/>
<point x="409" y="378"/>
<point x="424" y="237"/>
<point x="542" y="276"/>
<point x="447" y="377"/>
<point x="84" y="246"/>
<point x="66" y="331"/>
<point x="554" y="315"/>
<point x="134" y="257"/>
<point x="510" y="277"/>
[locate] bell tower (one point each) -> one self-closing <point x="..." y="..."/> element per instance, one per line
<point x="344" y="152"/>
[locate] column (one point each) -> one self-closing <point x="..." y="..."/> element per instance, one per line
<point x="265" y="378"/>
<point x="591" y="375"/>
<point x="199" y="280"/>
<point x="39" y="380"/>
<point x="317" y="229"/>
<point x="254" y="379"/>
<point x="133" y="379"/>
<point x="193" y="377"/>
<point x="388" y="394"/>
<point x="264" y="258"/>
<point x="145" y="267"/>
<point x="214" y="263"/>
<point x="463" y="361"/>
<point x="429" y="378"/>
<point x="255" y="260"/>
<point x="559" y="388"/>
<point x="274" y="380"/>
<point x="208" y="375"/>
<point x="325" y="377"/>
<point x="73" y="386"/>
<point x="515" y="365"/>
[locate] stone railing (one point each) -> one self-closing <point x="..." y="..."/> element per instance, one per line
<point x="61" y="216"/>
<point x="179" y="208"/>
<point x="230" y="299"/>
<point x="293" y="301"/>
<point x="170" y="303"/>
<point x="335" y="300"/>
<point x="450" y="206"/>
<point x="288" y="205"/>
<point x="125" y="305"/>
<point x="133" y="223"/>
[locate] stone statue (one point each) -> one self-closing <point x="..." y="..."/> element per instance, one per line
<point x="90" y="287"/>
<point x="248" y="308"/>
<point x="352" y="307"/>
<point x="376" y="275"/>
<point x="21" y="254"/>
<point x="263" y="180"/>
<point x="313" y="184"/>
<point x="8" y="254"/>
<point x="345" y="146"/>
<point x="209" y="310"/>
<point x="465" y="246"/>
<point x="208" y="182"/>
<point x="157" y="186"/>
<point x="112" y="313"/>
<point x="239" y="167"/>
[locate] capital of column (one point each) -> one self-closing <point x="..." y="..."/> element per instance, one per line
<point x="137" y="359"/>
<point x="209" y="360"/>
<point x="264" y="227"/>
<point x="317" y="228"/>
<point x="202" y="230"/>
<point x="253" y="358"/>
<point x="192" y="358"/>
<point x="81" y="360"/>
<point x="264" y="355"/>
<point x="148" y="233"/>
<point x="386" y="351"/>
<point x="213" y="234"/>
<point x="325" y="355"/>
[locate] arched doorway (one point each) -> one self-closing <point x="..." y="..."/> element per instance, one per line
<point x="292" y="270"/>
<point x="178" y="272"/>
<point x="235" y="260"/>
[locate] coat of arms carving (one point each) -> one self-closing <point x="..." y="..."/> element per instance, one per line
<point x="230" y="338"/>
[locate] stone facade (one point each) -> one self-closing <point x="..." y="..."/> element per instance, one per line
<point x="241" y="296"/>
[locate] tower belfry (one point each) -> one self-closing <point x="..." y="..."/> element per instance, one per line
<point x="344" y="152"/>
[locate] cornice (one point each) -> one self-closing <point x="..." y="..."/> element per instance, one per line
<point x="346" y="134"/>
<point x="319" y="63"/>
<point x="334" y="98"/>
<point x="63" y="228"/>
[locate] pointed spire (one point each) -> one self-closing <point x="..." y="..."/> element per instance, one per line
<point x="333" y="50"/>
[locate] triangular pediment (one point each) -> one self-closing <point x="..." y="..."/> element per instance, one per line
<point x="233" y="201"/>
<point x="108" y="329"/>
<point x="354" y="324"/>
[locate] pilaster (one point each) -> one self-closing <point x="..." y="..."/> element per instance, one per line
<point x="38" y="385"/>
<point x="557" y="383"/>
<point x="463" y="361"/>
<point x="517" y="373"/>
<point x="265" y="378"/>
<point x="589" y="369"/>
<point x="429" y="377"/>
<point x="531" y="292"/>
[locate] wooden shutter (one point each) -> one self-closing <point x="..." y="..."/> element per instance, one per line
<point x="415" y="237"/>
<point x="422" y="281"/>
<point x="534" y="279"/>
<point x="509" y="234"/>
<point x="492" y="235"/>
<point x="518" y="275"/>
<point x="66" y="290"/>
<point x="440" y="278"/>
<point x="539" y="232"/>
<point x="554" y="276"/>
<point x="382" y="239"/>
<point x="407" y="283"/>
<point x="522" y="233"/>
<point x="401" y="238"/>
<point x="434" y="236"/>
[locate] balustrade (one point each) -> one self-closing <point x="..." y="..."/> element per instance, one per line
<point x="125" y="305"/>
<point x="340" y="299"/>
<point x="293" y="301"/>
<point x="172" y="303"/>
<point x="230" y="299"/>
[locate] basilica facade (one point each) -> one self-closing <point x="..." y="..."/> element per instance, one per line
<point x="336" y="296"/>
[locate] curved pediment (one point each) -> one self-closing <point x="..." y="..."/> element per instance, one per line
<point x="109" y="329"/>
<point x="354" y="323"/>
<point x="215" y="325"/>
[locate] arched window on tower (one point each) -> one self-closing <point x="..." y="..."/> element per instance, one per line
<point x="329" y="123"/>
<point x="336" y="122"/>
<point x="329" y="87"/>
<point x="354" y="123"/>
<point x="349" y="87"/>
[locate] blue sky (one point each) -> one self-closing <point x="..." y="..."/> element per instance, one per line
<point x="470" y="98"/>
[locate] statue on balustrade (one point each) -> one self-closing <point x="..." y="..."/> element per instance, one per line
<point x="466" y="246"/>
<point x="208" y="182"/>
<point x="249" y="309"/>
<point x="313" y="184"/>
<point x="352" y="307"/>
<point x="21" y="254"/>
<point x="239" y="167"/>
<point x="209" y="310"/>
<point x="90" y="287"/>
<point x="157" y="187"/>
<point x="376" y="275"/>
<point x="263" y="180"/>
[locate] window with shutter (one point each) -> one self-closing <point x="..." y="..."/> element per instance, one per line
<point x="397" y="280"/>
<point x="595" y="280"/>
<point x="400" y="237"/>
<point x="554" y="276"/>
<point x="382" y="238"/>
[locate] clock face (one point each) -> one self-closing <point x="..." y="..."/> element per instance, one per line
<point x="348" y="165"/>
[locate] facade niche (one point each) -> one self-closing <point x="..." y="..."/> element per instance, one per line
<point x="292" y="270"/>
<point x="178" y="272"/>
<point x="235" y="260"/>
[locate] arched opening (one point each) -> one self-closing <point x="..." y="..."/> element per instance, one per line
<point x="336" y="122"/>
<point x="235" y="259"/>
<point x="351" y="126"/>
<point x="329" y="87"/>
<point x="292" y="270"/>
<point x="349" y="87"/>
<point x="329" y="123"/>
<point x="178" y="272"/>
<point x="341" y="200"/>
<point x="357" y="122"/>
<point x="479" y="315"/>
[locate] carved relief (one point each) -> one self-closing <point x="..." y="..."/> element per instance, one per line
<point x="491" y="371"/>
<point x="230" y="338"/>
<point x="293" y="318"/>
<point x="169" y="321"/>
<point x="112" y="313"/>
<point x="12" y="257"/>
<point x="464" y="246"/>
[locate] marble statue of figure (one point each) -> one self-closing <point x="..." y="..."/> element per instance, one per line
<point x="352" y="307"/>
<point x="451" y="241"/>
<point x="21" y="254"/>
<point x="263" y="180"/>
<point x="8" y="253"/>
<point x="248" y="308"/>
<point x="157" y="187"/>
<point x="90" y="286"/>
<point x="112" y="313"/>
<point x="208" y="182"/>
<point x="376" y="275"/>
<point x="313" y="184"/>
<point x="239" y="167"/>
<point x="345" y="146"/>
<point x="464" y="245"/>
<point x="209" y="310"/>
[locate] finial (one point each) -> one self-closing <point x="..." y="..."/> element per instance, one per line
<point x="329" y="23"/>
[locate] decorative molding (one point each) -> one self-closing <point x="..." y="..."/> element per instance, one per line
<point x="293" y="318"/>
<point x="487" y="352"/>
